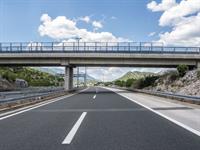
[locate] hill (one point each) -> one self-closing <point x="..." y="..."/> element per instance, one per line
<point x="50" y="70"/>
<point x="171" y="82"/>
<point x="32" y="76"/>
<point x="135" y="75"/>
<point x="58" y="70"/>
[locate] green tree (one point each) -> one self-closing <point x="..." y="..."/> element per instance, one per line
<point x="182" y="69"/>
<point x="129" y="82"/>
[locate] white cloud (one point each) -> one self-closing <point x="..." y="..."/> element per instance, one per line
<point x="97" y="24"/>
<point x="63" y="28"/>
<point x="85" y="19"/>
<point x="178" y="12"/>
<point x="164" y="5"/>
<point x="152" y="34"/>
<point x="187" y="32"/>
<point x="184" y="20"/>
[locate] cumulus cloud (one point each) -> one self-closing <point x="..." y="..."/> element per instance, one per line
<point x="164" y="5"/>
<point x="152" y="34"/>
<point x="85" y="19"/>
<point x="97" y="24"/>
<point x="183" y="18"/>
<point x="63" y="28"/>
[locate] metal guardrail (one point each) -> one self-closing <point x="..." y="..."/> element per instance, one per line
<point x="181" y="96"/>
<point x="93" y="47"/>
<point x="29" y="97"/>
<point x="186" y="98"/>
<point x="35" y="97"/>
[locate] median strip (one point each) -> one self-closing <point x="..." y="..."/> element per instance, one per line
<point x="73" y="131"/>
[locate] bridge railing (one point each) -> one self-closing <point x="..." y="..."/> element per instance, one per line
<point x="98" y="47"/>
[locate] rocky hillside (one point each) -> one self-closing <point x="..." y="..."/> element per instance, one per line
<point x="189" y="84"/>
<point x="6" y="85"/>
<point x="33" y="77"/>
<point x="135" y="75"/>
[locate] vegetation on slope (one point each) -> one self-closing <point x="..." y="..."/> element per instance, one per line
<point x="135" y="75"/>
<point x="180" y="80"/>
<point x="136" y="79"/>
<point x="32" y="76"/>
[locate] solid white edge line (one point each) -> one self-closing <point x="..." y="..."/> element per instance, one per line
<point x="94" y="96"/>
<point x="74" y="129"/>
<point x="162" y="115"/>
<point x="22" y="110"/>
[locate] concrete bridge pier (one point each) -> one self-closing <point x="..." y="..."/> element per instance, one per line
<point x="68" y="78"/>
<point x="198" y="65"/>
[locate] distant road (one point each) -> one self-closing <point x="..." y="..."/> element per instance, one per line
<point x="94" y="119"/>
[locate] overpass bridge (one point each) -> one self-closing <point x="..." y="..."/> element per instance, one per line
<point x="73" y="54"/>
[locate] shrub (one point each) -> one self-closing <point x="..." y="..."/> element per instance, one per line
<point x="145" y="82"/>
<point x="173" y="76"/>
<point x="120" y="83"/>
<point x="9" y="76"/>
<point x="129" y="82"/>
<point x="182" y="69"/>
<point x="198" y="74"/>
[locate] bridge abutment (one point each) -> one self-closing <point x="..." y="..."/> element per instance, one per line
<point x="68" y="78"/>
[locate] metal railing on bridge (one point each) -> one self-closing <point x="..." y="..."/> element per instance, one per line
<point x="93" y="47"/>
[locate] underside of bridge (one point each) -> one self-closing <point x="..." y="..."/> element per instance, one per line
<point x="91" y="59"/>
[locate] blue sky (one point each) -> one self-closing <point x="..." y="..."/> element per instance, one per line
<point x="172" y="22"/>
<point x="126" y="18"/>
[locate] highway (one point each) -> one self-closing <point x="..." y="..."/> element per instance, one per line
<point x="93" y="119"/>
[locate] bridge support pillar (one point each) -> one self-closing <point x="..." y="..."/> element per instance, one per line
<point x="198" y="65"/>
<point x="68" y="78"/>
<point x="85" y="77"/>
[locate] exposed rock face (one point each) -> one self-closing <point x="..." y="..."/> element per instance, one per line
<point x="187" y="85"/>
<point x="21" y="83"/>
<point x="5" y="85"/>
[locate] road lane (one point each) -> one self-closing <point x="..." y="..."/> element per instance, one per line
<point x="74" y="129"/>
<point x="112" y="122"/>
<point x="130" y="127"/>
<point x="39" y="130"/>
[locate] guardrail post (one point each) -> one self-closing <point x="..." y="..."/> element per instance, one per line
<point x="106" y="46"/>
<point x="20" y="46"/>
<point x="0" y="47"/>
<point x="41" y="46"/>
<point x="36" y="46"/>
<point x="95" y="46"/>
<point x="10" y="46"/>
<point x="140" y="47"/>
<point x="63" y="46"/>
<point x="31" y="46"/>
<point x="129" y="46"/>
<point x="117" y="46"/>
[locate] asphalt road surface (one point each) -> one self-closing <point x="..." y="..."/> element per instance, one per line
<point x="94" y="119"/>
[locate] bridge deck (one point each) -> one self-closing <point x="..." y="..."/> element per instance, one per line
<point x="94" y="47"/>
